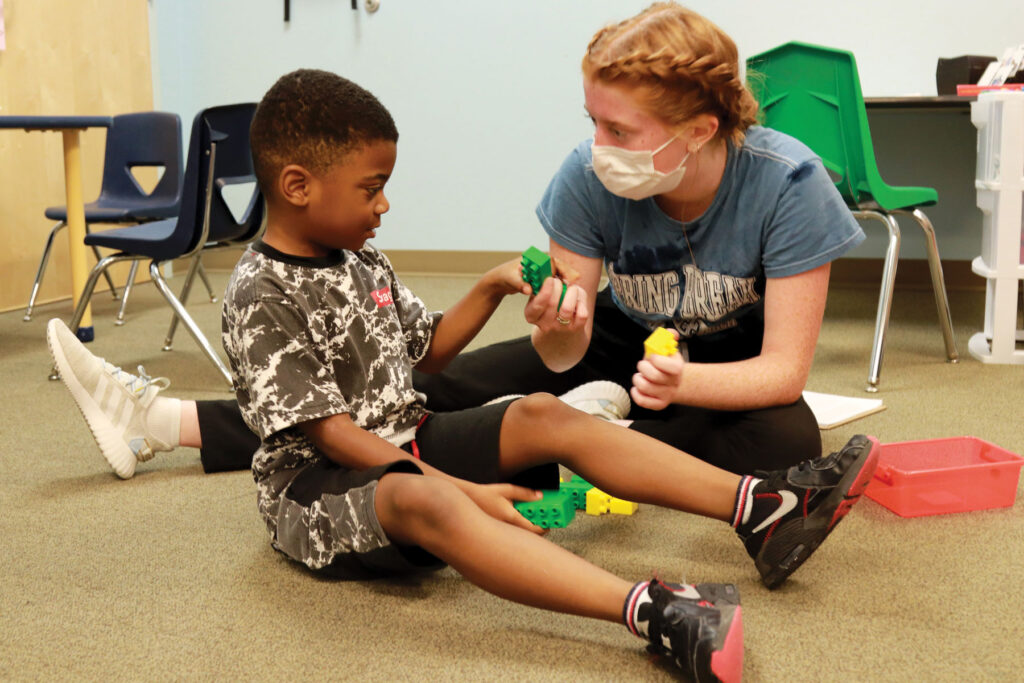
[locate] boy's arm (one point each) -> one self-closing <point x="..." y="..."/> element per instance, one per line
<point x="463" y="321"/>
<point x="346" y="443"/>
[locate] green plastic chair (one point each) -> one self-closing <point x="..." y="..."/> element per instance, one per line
<point x="813" y="94"/>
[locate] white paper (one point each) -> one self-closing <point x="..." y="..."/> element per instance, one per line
<point x="831" y="410"/>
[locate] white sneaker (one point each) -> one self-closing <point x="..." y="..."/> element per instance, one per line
<point x="601" y="398"/>
<point x="113" y="402"/>
<point x="604" y="399"/>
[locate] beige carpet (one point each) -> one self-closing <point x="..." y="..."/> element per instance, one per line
<point x="169" y="576"/>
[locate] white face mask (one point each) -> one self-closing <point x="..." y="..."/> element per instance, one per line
<point x="631" y="173"/>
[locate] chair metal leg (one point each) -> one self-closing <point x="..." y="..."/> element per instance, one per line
<point x="106" y="273"/>
<point x="87" y="290"/>
<point x="42" y="269"/>
<point x="938" y="283"/>
<point x="186" y="289"/>
<point x="127" y="290"/>
<point x="190" y="324"/>
<point x="892" y="255"/>
<point x="206" y="281"/>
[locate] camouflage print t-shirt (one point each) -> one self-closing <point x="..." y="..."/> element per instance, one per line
<point x="310" y="338"/>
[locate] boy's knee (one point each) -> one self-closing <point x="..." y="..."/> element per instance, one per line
<point x="412" y="496"/>
<point x="538" y="408"/>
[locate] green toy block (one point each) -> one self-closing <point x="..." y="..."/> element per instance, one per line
<point x="536" y="267"/>
<point x="555" y="509"/>
<point x="661" y="343"/>
<point x="577" y="487"/>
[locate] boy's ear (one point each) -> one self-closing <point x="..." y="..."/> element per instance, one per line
<point x="294" y="183"/>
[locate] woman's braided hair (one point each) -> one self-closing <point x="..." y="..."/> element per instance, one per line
<point x="681" y="64"/>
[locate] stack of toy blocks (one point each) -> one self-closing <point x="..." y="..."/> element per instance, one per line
<point x="558" y="508"/>
<point x="536" y="267"/>
<point x="661" y="343"/>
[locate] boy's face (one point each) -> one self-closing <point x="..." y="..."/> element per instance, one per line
<point x="347" y="201"/>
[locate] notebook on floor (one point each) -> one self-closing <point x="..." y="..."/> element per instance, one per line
<point x="831" y="410"/>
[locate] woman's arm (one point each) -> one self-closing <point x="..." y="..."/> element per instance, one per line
<point x="793" y="310"/>
<point x="562" y="346"/>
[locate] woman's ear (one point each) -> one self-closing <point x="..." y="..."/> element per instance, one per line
<point x="703" y="128"/>
<point x="295" y="184"/>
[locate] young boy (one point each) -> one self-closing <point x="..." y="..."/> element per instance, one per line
<point x="356" y="479"/>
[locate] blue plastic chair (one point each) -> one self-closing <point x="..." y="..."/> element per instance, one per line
<point x="144" y="139"/>
<point x="218" y="157"/>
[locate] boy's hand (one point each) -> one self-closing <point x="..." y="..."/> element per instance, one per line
<point x="507" y="278"/>
<point x="564" y="271"/>
<point x="656" y="381"/>
<point x="496" y="500"/>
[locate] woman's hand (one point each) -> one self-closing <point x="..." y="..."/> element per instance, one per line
<point x="552" y="311"/>
<point x="496" y="500"/>
<point x="657" y="380"/>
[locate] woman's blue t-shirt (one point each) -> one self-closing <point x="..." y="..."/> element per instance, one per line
<point x="776" y="213"/>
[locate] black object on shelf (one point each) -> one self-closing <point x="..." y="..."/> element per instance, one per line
<point x="953" y="71"/>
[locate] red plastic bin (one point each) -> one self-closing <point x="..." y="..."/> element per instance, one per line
<point x="938" y="476"/>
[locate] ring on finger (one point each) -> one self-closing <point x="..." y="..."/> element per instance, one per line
<point x="561" y="320"/>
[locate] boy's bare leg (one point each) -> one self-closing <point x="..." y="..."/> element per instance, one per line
<point x="625" y="463"/>
<point x="782" y="518"/>
<point x="699" y="627"/>
<point x="503" y="559"/>
<point x="189" y="434"/>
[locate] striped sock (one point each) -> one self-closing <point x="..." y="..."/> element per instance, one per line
<point x="744" y="500"/>
<point x="635" y="612"/>
<point x="637" y="598"/>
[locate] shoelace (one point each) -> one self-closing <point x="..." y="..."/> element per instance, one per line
<point x="136" y="384"/>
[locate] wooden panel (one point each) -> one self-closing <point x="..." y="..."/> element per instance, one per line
<point x="88" y="57"/>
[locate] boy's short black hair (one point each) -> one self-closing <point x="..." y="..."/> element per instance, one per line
<point x="313" y="118"/>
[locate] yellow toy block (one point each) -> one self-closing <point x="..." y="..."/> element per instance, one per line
<point x="661" y="343"/>
<point x="600" y="503"/>
<point x="623" y="507"/>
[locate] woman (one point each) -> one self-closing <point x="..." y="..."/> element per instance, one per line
<point x="706" y="224"/>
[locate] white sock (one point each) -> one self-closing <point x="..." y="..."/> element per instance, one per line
<point x="163" y="422"/>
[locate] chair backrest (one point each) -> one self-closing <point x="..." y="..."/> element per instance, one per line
<point x="813" y="93"/>
<point x="221" y="135"/>
<point x="143" y="139"/>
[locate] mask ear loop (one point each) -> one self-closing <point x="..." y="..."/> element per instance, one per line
<point x="667" y="143"/>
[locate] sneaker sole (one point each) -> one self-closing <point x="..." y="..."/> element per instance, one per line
<point x="813" y="530"/>
<point x="727" y="662"/>
<point x="114" y="449"/>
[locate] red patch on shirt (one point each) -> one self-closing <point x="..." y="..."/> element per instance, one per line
<point x="383" y="297"/>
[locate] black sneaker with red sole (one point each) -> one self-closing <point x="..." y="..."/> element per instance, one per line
<point x="792" y="511"/>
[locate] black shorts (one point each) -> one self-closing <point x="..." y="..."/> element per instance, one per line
<point x="335" y="505"/>
<point x="466" y="444"/>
